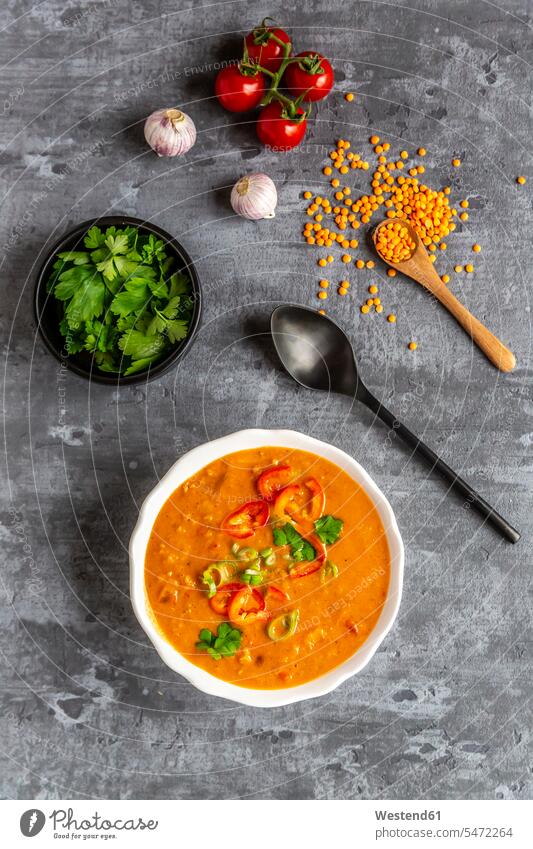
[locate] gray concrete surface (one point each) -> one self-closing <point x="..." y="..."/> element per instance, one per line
<point x="88" y="708"/>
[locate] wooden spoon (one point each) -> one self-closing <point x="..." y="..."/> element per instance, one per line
<point x="419" y="268"/>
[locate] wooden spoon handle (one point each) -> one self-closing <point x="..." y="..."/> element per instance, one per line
<point x="498" y="354"/>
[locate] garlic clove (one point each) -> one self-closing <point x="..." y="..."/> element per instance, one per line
<point x="254" y="197"/>
<point x="170" y="132"/>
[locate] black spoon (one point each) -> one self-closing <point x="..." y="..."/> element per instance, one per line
<point x="318" y="355"/>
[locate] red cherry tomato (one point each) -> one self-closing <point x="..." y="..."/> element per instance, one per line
<point x="279" y="132"/>
<point x="219" y="602"/>
<point x="272" y="480"/>
<point x="247" y="606"/>
<point x="244" y="521"/>
<point x="313" y="75"/>
<point x="264" y="48"/>
<point x="237" y="91"/>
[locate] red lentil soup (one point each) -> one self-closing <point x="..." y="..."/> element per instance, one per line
<point x="268" y="567"/>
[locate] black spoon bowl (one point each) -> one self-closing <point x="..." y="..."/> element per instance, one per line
<point x="318" y="355"/>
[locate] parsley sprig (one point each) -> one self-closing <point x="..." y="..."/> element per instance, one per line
<point x="328" y="529"/>
<point x="226" y="642"/>
<point x="301" y="549"/>
<point x="123" y="300"/>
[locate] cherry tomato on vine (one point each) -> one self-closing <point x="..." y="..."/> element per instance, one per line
<point x="238" y="90"/>
<point x="312" y="77"/>
<point x="279" y="131"/>
<point x="264" y="48"/>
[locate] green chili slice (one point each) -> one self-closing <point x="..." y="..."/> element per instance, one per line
<point x="329" y="571"/>
<point x="248" y="554"/>
<point x="215" y="575"/>
<point x="284" y="626"/>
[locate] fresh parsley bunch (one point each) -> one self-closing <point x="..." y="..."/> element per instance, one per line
<point x="122" y="301"/>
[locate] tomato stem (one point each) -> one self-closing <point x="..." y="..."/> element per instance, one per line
<point x="290" y="106"/>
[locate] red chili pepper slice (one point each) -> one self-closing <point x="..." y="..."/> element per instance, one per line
<point x="277" y="594"/>
<point x="244" y="521"/>
<point x="307" y="567"/>
<point x="288" y="504"/>
<point x="220" y="601"/>
<point x="284" y="505"/>
<point x="272" y="480"/>
<point x="246" y="606"/>
<point x="318" y="499"/>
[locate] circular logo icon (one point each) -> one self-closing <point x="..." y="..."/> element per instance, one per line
<point x="32" y="822"/>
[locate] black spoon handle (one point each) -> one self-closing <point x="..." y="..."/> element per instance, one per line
<point x="457" y="483"/>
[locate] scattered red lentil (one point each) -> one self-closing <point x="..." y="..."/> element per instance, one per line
<point x="391" y="193"/>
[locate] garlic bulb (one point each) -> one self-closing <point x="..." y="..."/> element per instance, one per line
<point x="170" y="132"/>
<point x="254" y="197"/>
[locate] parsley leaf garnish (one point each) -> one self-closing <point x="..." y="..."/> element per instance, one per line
<point x="123" y="301"/>
<point x="328" y="529"/>
<point x="301" y="549"/>
<point x="224" y="644"/>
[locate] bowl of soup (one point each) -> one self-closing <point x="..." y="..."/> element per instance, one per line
<point x="266" y="567"/>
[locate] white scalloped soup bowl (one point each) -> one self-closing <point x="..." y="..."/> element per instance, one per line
<point x="187" y="466"/>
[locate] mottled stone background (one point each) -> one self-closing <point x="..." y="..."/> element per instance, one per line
<point x="88" y="708"/>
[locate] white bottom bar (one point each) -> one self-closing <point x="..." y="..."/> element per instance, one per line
<point x="267" y="824"/>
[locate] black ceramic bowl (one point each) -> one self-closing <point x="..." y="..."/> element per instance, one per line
<point x="49" y="311"/>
